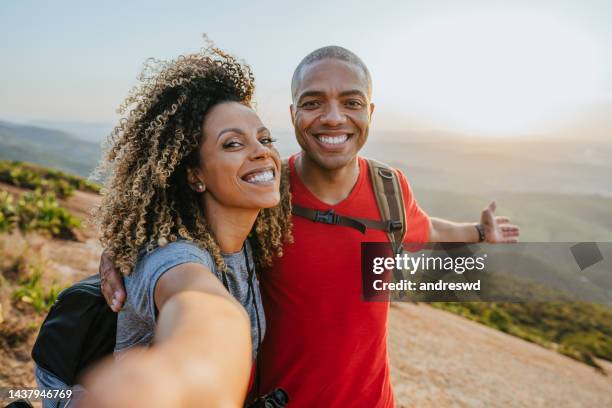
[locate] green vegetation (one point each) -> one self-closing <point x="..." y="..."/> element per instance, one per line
<point x="579" y="330"/>
<point x="22" y="272"/>
<point x="36" y="211"/>
<point x="36" y="177"/>
<point x="8" y="217"/>
<point x="33" y="292"/>
<point x="41" y="212"/>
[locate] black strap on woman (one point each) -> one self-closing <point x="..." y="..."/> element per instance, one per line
<point x="251" y="273"/>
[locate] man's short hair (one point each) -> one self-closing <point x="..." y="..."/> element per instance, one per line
<point x="330" y="52"/>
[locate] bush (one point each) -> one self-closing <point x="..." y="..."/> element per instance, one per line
<point x="37" y="211"/>
<point x="497" y="318"/>
<point x="32" y="292"/>
<point x="8" y="217"/>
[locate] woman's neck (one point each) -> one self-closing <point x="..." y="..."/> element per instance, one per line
<point x="229" y="225"/>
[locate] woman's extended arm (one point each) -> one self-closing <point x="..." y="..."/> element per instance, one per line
<point x="201" y="355"/>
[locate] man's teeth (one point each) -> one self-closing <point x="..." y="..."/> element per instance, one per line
<point x="261" y="177"/>
<point x="333" y="139"/>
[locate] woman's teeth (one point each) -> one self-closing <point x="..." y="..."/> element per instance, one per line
<point x="333" y="139"/>
<point x="260" y="177"/>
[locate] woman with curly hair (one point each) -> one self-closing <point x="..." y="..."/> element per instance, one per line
<point x="193" y="173"/>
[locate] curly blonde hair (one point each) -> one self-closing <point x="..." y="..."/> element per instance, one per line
<point x="147" y="200"/>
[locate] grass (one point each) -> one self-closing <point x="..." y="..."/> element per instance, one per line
<point x="25" y="274"/>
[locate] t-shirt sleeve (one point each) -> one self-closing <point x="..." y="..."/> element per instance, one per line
<point x="140" y="285"/>
<point x="416" y="219"/>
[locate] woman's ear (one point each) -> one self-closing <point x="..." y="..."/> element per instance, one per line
<point x="195" y="182"/>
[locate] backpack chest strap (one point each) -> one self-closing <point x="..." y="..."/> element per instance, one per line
<point x="333" y="218"/>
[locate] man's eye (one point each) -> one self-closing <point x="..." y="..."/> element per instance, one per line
<point x="354" y="104"/>
<point x="310" y="104"/>
<point x="267" y="140"/>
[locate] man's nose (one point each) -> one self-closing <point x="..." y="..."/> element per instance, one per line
<point x="333" y="115"/>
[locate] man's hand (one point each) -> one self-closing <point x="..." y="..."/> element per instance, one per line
<point x="498" y="229"/>
<point x="112" y="284"/>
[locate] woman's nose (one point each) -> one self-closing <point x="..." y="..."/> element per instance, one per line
<point x="260" y="151"/>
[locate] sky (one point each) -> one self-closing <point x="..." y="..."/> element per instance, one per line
<point x="483" y="67"/>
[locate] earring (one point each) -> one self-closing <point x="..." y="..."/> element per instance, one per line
<point x="200" y="187"/>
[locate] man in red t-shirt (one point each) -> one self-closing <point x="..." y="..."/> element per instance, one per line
<point x="324" y="344"/>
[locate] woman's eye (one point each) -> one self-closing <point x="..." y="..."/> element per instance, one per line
<point x="230" y="144"/>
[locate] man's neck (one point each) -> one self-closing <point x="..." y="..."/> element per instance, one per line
<point x="229" y="226"/>
<point x="329" y="186"/>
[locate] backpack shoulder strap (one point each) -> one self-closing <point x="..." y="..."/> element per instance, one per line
<point x="390" y="200"/>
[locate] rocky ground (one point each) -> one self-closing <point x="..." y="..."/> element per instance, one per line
<point x="442" y="360"/>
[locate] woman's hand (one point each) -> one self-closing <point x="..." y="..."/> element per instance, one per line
<point x="201" y="356"/>
<point x="150" y="378"/>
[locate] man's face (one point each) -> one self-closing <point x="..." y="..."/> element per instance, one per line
<point x="331" y="112"/>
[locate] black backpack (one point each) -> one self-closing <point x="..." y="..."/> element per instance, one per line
<point x="79" y="330"/>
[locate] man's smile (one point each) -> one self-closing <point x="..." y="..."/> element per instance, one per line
<point x="333" y="139"/>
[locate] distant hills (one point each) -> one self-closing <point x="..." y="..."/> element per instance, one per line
<point x="94" y="132"/>
<point x="543" y="217"/>
<point x="48" y="147"/>
<point x="579" y="165"/>
<point x="557" y="189"/>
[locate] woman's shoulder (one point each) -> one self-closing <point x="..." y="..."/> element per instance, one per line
<point x="172" y="254"/>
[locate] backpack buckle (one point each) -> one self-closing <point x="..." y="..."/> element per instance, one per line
<point x="326" y="217"/>
<point x="385" y="173"/>
<point x="395" y="225"/>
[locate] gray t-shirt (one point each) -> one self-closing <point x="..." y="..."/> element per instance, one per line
<point x="136" y="321"/>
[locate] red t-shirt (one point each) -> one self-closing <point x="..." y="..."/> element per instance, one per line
<point x="324" y="345"/>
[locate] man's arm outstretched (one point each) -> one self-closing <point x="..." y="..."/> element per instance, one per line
<point x="496" y="229"/>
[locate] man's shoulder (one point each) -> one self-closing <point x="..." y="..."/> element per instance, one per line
<point x="368" y="162"/>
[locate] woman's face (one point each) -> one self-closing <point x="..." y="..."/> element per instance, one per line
<point x="240" y="167"/>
